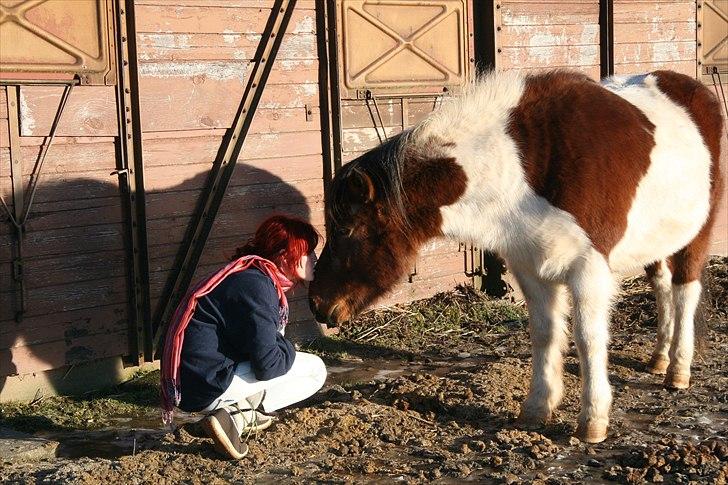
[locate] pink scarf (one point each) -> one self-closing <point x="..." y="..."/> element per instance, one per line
<point x="170" y="386"/>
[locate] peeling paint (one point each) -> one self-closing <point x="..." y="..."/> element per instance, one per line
<point x="229" y="37"/>
<point x="218" y="70"/>
<point x="27" y="122"/>
<point x="306" y="25"/>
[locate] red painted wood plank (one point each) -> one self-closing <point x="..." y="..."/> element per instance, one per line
<point x="653" y="12"/>
<point x="233" y="20"/>
<point x="539" y="13"/>
<point x="660" y="52"/>
<point x="53" y="355"/>
<point x="649" y="32"/>
<point x="90" y="111"/>
<point x="167" y="46"/>
<point x="549" y="35"/>
<point x="62" y="325"/>
<point x="257" y="146"/>
<point x="47" y="300"/>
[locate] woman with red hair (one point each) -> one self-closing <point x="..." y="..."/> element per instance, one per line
<point x="226" y="355"/>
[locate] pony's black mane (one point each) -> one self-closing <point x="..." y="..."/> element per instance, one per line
<point x="383" y="165"/>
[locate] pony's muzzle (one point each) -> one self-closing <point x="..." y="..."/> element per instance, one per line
<point x="329" y="319"/>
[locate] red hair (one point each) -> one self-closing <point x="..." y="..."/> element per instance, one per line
<point x="284" y="240"/>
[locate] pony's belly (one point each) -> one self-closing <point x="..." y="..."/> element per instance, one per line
<point x="660" y="226"/>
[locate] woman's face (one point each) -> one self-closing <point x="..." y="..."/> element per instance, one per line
<point x="304" y="270"/>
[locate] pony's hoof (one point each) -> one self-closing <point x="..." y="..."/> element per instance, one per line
<point x="658" y="365"/>
<point x="677" y="381"/>
<point x="591" y="432"/>
<point x="530" y="418"/>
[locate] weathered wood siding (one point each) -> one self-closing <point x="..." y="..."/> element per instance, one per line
<point x="75" y="267"/>
<point x="650" y="35"/>
<point x="535" y="35"/>
<point x="194" y="61"/>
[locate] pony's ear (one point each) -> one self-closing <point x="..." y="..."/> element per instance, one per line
<point x="360" y="187"/>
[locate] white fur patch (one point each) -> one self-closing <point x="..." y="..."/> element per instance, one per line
<point x="499" y="210"/>
<point x="673" y="198"/>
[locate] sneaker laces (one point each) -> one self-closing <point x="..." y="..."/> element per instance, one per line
<point x="246" y="418"/>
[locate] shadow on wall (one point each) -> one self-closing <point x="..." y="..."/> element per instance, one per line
<point x="76" y="260"/>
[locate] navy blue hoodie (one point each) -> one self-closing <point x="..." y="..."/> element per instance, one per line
<point x="236" y="322"/>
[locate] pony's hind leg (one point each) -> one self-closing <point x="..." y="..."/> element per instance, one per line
<point x="686" y="288"/>
<point x="593" y="286"/>
<point x="547" y="307"/>
<point x="660" y="278"/>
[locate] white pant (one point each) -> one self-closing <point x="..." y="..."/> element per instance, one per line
<point x="306" y="376"/>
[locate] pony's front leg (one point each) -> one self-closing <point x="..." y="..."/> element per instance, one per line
<point x="547" y="306"/>
<point x="593" y="286"/>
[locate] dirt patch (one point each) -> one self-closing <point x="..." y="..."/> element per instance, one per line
<point x="417" y="402"/>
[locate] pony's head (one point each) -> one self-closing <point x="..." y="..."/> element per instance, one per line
<point x="380" y="209"/>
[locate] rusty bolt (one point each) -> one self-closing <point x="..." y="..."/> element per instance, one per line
<point x="127" y="90"/>
<point x="128" y="120"/>
<point x="499" y="28"/>
<point x="129" y="136"/>
<point x="123" y="39"/>
<point x="282" y="10"/>
<point x="500" y="50"/>
<point x="472" y="60"/>
<point x="262" y="60"/>
<point x="254" y="85"/>
<point x="128" y="109"/>
<point x="498" y="6"/>
<point x="126" y="63"/>
<point x="272" y="34"/>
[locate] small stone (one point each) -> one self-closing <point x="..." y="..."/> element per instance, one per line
<point x="574" y="441"/>
<point x="464" y="448"/>
<point x="510" y="479"/>
<point x="464" y="355"/>
<point x="479" y="445"/>
<point x="497" y="461"/>
<point x="369" y="467"/>
<point x="594" y="463"/>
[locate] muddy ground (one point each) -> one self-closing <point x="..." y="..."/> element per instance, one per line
<point x="423" y="393"/>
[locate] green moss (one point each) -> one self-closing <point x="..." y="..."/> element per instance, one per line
<point x="136" y="398"/>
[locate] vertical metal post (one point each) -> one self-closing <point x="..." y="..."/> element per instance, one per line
<point x="322" y="42"/>
<point x="16" y="173"/>
<point x="606" y="37"/>
<point x="333" y="35"/>
<point x="130" y="169"/>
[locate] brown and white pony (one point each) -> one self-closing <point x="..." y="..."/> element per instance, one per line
<point x="569" y="180"/>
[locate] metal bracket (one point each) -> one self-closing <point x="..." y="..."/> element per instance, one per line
<point x="370" y="97"/>
<point x="130" y="170"/>
<point x="718" y="83"/>
<point x="21" y="207"/>
<point x="223" y="167"/>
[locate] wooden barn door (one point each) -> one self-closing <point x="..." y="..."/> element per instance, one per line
<point x="65" y="251"/>
<point x="395" y="61"/>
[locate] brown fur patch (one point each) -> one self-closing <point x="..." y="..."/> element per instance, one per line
<point x="704" y="109"/>
<point x="371" y="245"/>
<point x="584" y="149"/>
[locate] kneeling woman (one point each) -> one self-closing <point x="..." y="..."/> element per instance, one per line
<point x="225" y="353"/>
